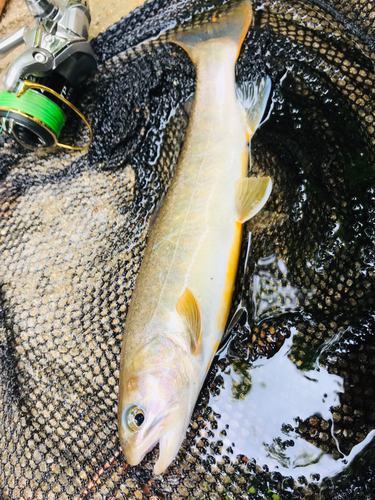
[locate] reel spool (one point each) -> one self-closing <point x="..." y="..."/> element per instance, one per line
<point x="34" y="119"/>
<point x="39" y="85"/>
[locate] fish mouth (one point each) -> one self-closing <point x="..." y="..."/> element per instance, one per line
<point x="135" y="452"/>
<point x="169" y="444"/>
<point x="152" y="447"/>
<point x="136" y="458"/>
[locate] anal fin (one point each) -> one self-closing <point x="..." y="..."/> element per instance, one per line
<point x="251" y="194"/>
<point x="188" y="308"/>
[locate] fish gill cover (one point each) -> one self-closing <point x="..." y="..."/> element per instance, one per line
<point x="73" y="229"/>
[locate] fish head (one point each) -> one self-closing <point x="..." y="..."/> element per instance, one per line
<point x="154" y="404"/>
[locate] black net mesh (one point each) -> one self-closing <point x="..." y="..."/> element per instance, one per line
<point x="73" y="229"/>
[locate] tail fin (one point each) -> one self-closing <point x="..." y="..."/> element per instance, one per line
<point x="231" y="24"/>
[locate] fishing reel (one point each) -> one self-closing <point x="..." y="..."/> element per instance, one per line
<point x="39" y="86"/>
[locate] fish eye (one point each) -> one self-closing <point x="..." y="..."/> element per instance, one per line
<point x="135" y="418"/>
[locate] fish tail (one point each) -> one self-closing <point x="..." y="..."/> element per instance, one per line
<point x="231" y="24"/>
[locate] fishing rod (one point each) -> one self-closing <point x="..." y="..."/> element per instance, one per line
<point x="39" y="86"/>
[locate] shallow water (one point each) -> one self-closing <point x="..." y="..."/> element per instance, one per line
<point x="264" y="418"/>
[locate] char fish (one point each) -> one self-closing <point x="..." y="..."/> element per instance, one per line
<point x="183" y="293"/>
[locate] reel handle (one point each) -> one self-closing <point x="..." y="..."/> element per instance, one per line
<point x="12" y="42"/>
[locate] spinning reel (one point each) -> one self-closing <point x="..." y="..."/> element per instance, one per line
<point x="39" y="85"/>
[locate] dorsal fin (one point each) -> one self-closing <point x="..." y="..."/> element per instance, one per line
<point x="188" y="308"/>
<point x="251" y="194"/>
<point x="253" y="97"/>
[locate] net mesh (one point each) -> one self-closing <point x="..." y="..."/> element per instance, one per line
<point x="73" y="229"/>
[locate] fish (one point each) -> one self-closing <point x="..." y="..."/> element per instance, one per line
<point x="182" y="297"/>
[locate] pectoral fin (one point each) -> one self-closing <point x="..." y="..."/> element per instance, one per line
<point x="188" y="308"/>
<point x="251" y="194"/>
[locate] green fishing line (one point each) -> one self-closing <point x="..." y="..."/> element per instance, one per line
<point x="36" y="105"/>
<point x="4" y="121"/>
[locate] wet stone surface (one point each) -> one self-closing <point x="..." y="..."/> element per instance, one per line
<point x="72" y="233"/>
